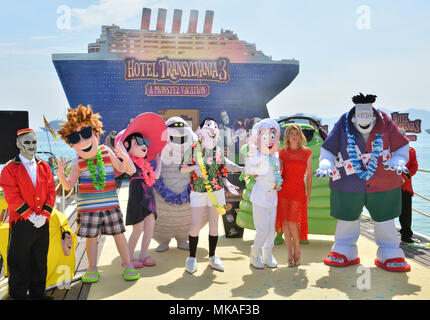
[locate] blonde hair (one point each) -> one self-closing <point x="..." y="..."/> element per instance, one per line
<point x="80" y="117"/>
<point x="302" y="140"/>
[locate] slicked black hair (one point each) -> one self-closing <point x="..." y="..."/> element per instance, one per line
<point x="129" y="138"/>
<point x="206" y="119"/>
<point x="364" y="99"/>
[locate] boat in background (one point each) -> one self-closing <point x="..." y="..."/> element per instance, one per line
<point x="191" y="75"/>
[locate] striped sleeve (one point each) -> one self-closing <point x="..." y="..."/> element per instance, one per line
<point x="23" y="209"/>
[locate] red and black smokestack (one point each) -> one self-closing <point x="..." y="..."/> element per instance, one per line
<point x="146" y="19"/>
<point x="192" y="25"/>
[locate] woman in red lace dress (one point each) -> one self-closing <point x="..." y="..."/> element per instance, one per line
<point x="294" y="197"/>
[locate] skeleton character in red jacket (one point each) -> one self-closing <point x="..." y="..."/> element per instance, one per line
<point x="29" y="190"/>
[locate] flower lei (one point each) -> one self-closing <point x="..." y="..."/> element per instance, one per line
<point x="170" y="196"/>
<point x="148" y="174"/>
<point x="98" y="175"/>
<point x="377" y="147"/>
<point x="276" y="173"/>
<point x="200" y="162"/>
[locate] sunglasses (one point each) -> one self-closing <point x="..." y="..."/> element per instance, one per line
<point x="75" y="137"/>
<point x="141" y="141"/>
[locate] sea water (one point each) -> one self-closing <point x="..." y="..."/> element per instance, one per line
<point x="420" y="182"/>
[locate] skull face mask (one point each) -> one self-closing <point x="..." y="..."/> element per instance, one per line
<point x="364" y="120"/>
<point x="27" y="145"/>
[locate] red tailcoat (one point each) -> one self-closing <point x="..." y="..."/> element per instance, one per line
<point x="21" y="196"/>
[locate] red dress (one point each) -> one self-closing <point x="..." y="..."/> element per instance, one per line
<point x="292" y="197"/>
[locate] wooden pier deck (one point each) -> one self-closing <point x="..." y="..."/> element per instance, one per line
<point x="419" y="255"/>
<point x="312" y="280"/>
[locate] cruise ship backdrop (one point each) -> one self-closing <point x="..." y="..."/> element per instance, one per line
<point x="193" y="75"/>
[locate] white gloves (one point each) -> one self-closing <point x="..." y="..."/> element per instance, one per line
<point x="37" y="220"/>
<point x="398" y="161"/>
<point x="397" y="165"/>
<point x="326" y="164"/>
<point x="325" y="168"/>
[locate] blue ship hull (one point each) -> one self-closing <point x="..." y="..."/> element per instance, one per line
<point x="101" y="84"/>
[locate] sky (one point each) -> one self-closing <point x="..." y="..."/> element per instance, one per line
<point x="344" y="47"/>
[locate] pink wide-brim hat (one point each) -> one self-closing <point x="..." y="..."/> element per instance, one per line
<point x="151" y="126"/>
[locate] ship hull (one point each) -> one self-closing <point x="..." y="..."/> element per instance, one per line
<point x="102" y="84"/>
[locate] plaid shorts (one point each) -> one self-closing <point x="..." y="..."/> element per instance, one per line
<point x="91" y="224"/>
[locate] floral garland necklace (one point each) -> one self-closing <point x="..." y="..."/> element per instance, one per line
<point x="200" y="162"/>
<point x="169" y="195"/>
<point x="377" y="147"/>
<point x="148" y="174"/>
<point x="98" y="175"/>
<point x="276" y="172"/>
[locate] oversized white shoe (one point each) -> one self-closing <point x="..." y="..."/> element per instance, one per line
<point x="191" y="265"/>
<point x="183" y="245"/>
<point x="216" y="263"/>
<point x="269" y="259"/>
<point x="162" y="247"/>
<point x="256" y="260"/>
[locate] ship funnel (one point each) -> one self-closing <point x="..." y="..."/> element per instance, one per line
<point x="177" y="19"/>
<point x="192" y="25"/>
<point x="209" y="18"/>
<point x="161" y="19"/>
<point x="146" y="19"/>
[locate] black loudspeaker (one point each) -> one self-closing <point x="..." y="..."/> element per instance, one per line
<point x="10" y="123"/>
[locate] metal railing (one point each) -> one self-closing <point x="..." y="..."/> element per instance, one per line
<point x="422" y="197"/>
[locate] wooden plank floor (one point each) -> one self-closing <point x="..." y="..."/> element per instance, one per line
<point x="79" y="291"/>
<point x="421" y="256"/>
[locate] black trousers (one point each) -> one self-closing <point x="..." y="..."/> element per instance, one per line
<point x="405" y="218"/>
<point x="27" y="259"/>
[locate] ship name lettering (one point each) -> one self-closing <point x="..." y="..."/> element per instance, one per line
<point x="223" y="66"/>
<point x="162" y="89"/>
<point x="141" y="69"/>
<point x="176" y="70"/>
<point x="402" y="121"/>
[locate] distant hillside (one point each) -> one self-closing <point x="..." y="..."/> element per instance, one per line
<point x="424" y="115"/>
